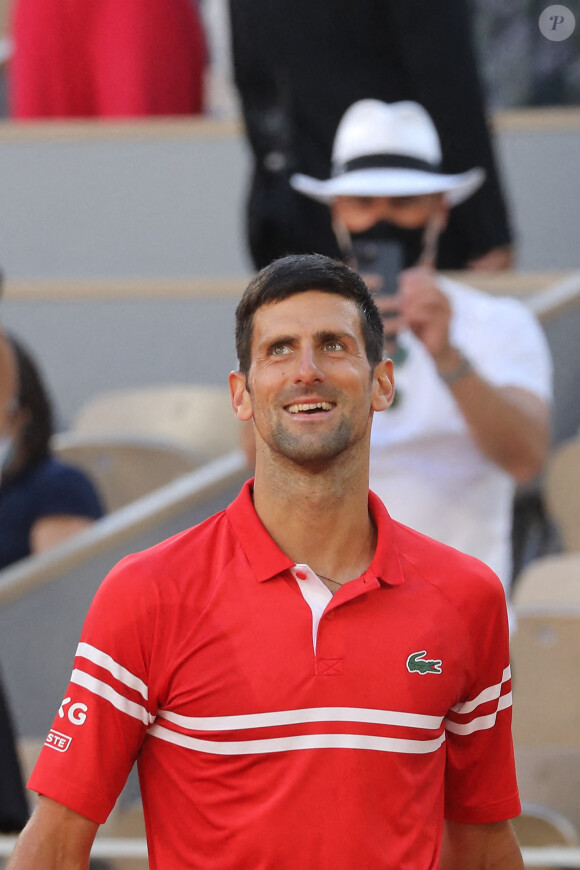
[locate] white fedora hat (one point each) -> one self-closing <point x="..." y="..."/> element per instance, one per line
<point x="388" y="149"/>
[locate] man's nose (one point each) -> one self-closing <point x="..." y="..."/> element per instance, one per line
<point x="308" y="366"/>
<point x="384" y="210"/>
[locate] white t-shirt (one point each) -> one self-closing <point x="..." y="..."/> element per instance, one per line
<point x="425" y="465"/>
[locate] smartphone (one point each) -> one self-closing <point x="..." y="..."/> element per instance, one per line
<point x="383" y="258"/>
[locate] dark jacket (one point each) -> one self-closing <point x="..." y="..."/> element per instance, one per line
<point x="299" y="65"/>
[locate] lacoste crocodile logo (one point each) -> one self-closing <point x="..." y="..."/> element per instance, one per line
<point x="418" y="664"/>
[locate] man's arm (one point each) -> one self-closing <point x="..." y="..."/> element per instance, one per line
<point x="50" y="531"/>
<point x="509" y="424"/>
<point x="480" y="847"/>
<point x="55" y="838"/>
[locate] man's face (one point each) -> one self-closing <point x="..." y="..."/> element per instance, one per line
<point x="310" y="389"/>
<point x="359" y="213"/>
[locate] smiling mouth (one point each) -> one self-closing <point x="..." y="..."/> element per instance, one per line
<point x="309" y="407"/>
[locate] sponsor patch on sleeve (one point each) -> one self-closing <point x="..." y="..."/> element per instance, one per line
<point x="58" y="741"/>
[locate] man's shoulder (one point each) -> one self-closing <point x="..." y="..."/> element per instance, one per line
<point x="175" y="560"/>
<point x="465" y="297"/>
<point x="457" y="575"/>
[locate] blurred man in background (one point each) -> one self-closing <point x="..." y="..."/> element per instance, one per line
<point x="473" y="371"/>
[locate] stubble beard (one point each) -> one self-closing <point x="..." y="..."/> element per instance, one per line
<point x="315" y="449"/>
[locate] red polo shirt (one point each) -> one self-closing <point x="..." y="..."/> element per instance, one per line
<point x="275" y="729"/>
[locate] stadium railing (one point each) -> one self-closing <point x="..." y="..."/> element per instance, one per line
<point x="559" y="857"/>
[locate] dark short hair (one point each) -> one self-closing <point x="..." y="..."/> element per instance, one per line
<point x="33" y="398"/>
<point x="299" y="273"/>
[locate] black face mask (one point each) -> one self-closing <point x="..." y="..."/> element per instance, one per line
<point x="385" y="249"/>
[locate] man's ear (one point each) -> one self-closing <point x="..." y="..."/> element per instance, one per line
<point x="241" y="401"/>
<point x="383" y="385"/>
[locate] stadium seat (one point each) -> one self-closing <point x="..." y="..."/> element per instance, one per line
<point x="545" y="660"/>
<point x="545" y="651"/>
<point x="539" y="826"/>
<point x="549" y="582"/>
<point x="125" y="467"/>
<point x="562" y="492"/>
<point x="197" y="416"/>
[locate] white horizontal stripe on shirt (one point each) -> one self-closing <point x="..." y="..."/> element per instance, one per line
<point x="301" y="741"/>
<point x="103" y="660"/>
<point x="296" y="717"/>
<point x="482" y="723"/>
<point x="489" y="694"/>
<point x="103" y="690"/>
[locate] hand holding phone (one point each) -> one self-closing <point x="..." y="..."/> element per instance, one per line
<point x="380" y="262"/>
<point x="383" y="259"/>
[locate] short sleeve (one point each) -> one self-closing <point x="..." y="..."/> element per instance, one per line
<point x="66" y="491"/>
<point x="502" y="338"/>
<point x="480" y="781"/>
<point x="520" y="346"/>
<point x="107" y="709"/>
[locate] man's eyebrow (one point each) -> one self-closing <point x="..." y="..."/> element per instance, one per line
<point x="332" y="335"/>
<point x="283" y="339"/>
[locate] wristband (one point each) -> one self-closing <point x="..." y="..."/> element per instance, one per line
<point x="458" y="373"/>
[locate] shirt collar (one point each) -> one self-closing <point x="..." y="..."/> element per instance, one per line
<point x="263" y="554"/>
<point x="268" y="560"/>
<point x="386" y="564"/>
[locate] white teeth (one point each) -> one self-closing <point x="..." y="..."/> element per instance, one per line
<point x="314" y="406"/>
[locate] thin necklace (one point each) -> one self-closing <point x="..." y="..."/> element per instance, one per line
<point x="328" y="579"/>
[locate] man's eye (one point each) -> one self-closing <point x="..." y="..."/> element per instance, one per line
<point x="279" y="349"/>
<point x="334" y="345"/>
<point x="405" y="201"/>
<point x="364" y="202"/>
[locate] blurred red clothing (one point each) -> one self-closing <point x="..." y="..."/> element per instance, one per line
<point x="113" y="58"/>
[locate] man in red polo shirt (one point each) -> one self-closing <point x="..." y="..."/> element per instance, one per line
<point x="303" y="682"/>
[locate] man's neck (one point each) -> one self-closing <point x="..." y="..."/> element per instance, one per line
<point x="318" y="517"/>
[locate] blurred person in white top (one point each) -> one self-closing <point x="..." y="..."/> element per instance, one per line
<point x="473" y="371"/>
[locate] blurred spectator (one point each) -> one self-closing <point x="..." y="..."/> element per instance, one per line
<point x="13" y="807"/>
<point x="299" y="65"/>
<point x="42" y="501"/>
<point x="109" y="58"/>
<point x="472" y="371"/>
